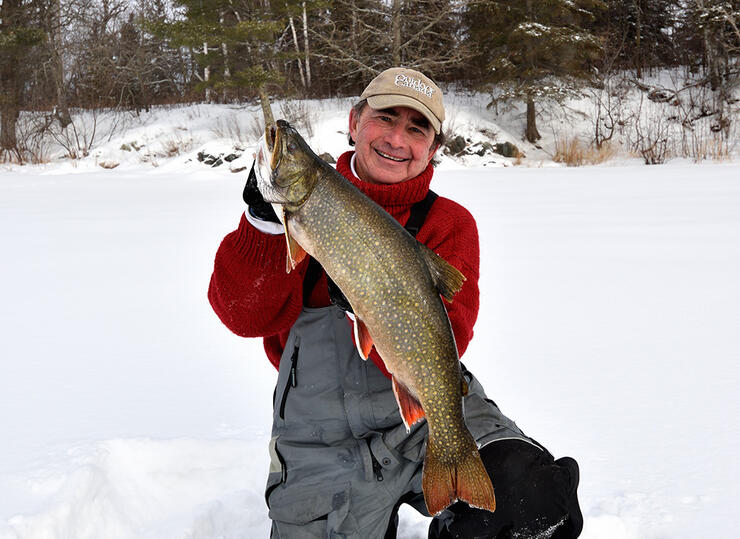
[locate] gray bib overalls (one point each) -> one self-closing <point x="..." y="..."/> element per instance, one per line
<point x="340" y="457"/>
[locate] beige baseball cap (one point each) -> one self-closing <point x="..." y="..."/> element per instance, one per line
<point x="403" y="87"/>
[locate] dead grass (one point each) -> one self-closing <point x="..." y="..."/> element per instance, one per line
<point x="574" y="153"/>
<point x="232" y="128"/>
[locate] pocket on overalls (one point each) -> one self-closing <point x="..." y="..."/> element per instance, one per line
<point x="311" y="503"/>
<point x="278" y="471"/>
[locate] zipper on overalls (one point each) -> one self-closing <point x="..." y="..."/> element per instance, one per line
<point x="292" y="377"/>
<point x="377" y="468"/>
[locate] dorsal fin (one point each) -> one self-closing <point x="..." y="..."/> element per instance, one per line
<point x="447" y="278"/>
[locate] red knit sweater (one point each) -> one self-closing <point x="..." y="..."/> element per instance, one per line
<point x="254" y="297"/>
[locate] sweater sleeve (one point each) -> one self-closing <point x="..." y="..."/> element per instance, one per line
<point x="250" y="290"/>
<point x="451" y="232"/>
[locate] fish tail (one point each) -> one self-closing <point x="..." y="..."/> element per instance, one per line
<point x="446" y="480"/>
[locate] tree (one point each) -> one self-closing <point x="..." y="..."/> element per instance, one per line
<point x="357" y="39"/>
<point x="233" y="43"/>
<point x="643" y="30"/>
<point x="534" y="50"/>
<point x="716" y="23"/>
<point x="53" y="24"/>
<point x="19" y="33"/>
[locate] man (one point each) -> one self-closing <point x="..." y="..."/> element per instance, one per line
<point x="342" y="461"/>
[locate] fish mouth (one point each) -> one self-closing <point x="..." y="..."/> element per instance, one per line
<point x="390" y="157"/>
<point x="272" y="143"/>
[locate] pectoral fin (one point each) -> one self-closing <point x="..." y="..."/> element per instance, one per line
<point x="296" y="253"/>
<point x="447" y="278"/>
<point x="410" y="407"/>
<point x="363" y="340"/>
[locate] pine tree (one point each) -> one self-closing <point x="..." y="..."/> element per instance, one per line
<point x="19" y="33"/>
<point x="534" y="49"/>
<point x="233" y="43"/>
<point x="639" y="32"/>
<point x="715" y="27"/>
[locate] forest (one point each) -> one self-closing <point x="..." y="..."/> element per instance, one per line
<point x="58" y="56"/>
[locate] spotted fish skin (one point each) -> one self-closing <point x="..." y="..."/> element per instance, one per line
<point x="393" y="284"/>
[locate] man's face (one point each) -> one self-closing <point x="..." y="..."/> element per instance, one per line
<point x="391" y="145"/>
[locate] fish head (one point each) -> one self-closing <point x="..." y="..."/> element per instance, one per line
<point x="288" y="168"/>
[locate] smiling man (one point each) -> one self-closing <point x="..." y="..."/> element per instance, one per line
<point x="341" y="459"/>
<point x="396" y="135"/>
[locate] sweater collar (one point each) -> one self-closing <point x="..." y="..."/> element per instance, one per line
<point x="396" y="194"/>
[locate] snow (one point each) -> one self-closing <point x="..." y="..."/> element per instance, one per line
<point x="607" y="330"/>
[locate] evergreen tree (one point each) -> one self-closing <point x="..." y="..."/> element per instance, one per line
<point x="233" y="43"/>
<point x="713" y="28"/>
<point x="534" y="50"/>
<point x="19" y="33"/>
<point x="639" y="32"/>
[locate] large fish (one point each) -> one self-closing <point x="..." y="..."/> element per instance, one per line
<point x="393" y="284"/>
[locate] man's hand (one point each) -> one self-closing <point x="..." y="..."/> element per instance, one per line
<point x="258" y="208"/>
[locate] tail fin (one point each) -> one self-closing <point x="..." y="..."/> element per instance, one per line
<point x="465" y="479"/>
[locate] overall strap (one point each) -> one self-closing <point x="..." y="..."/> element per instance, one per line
<point x="418" y="215"/>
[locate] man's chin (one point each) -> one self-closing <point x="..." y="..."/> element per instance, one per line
<point x="388" y="177"/>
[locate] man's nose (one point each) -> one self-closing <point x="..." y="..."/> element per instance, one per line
<point x="396" y="136"/>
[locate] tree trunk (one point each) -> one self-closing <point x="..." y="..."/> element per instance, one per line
<point x="227" y="69"/>
<point x="305" y="46"/>
<point x="638" y="38"/>
<point x="355" y="52"/>
<point x="207" y="75"/>
<point x="396" y="32"/>
<point x="710" y="55"/>
<point x="9" y="83"/>
<point x="57" y="65"/>
<point x="8" y="118"/>
<point x="532" y="134"/>
<point x="297" y="50"/>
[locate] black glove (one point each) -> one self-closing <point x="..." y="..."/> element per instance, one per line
<point x="258" y="208"/>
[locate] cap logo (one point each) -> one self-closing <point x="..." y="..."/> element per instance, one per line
<point x="414" y="84"/>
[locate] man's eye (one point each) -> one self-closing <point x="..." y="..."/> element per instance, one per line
<point x="385" y="118"/>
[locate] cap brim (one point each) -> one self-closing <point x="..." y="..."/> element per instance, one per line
<point x="387" y="101"/>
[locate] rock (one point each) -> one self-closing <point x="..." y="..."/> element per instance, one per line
<point x="661" y="95"/>
<point x="218" y="162"/>
<point x="209" y="159"/>
<point x="326" y="156"/>
<point x="238" y="169"/>
<point x="232" y="156"/>
<point x="125" y="147"/>
<point x="109" y="164"/>
<point x="456" y="145"/>
<point x="507" y="149"/>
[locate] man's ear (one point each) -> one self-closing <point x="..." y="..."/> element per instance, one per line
<point x="353" y="119"/>
<point x="433" y="150"/>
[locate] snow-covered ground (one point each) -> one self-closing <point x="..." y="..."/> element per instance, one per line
<point x="610" y="308"/>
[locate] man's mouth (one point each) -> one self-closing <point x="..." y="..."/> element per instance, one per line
<point x="392" y="158"/>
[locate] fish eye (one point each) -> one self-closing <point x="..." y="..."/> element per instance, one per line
<point x="291" y="146"/>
